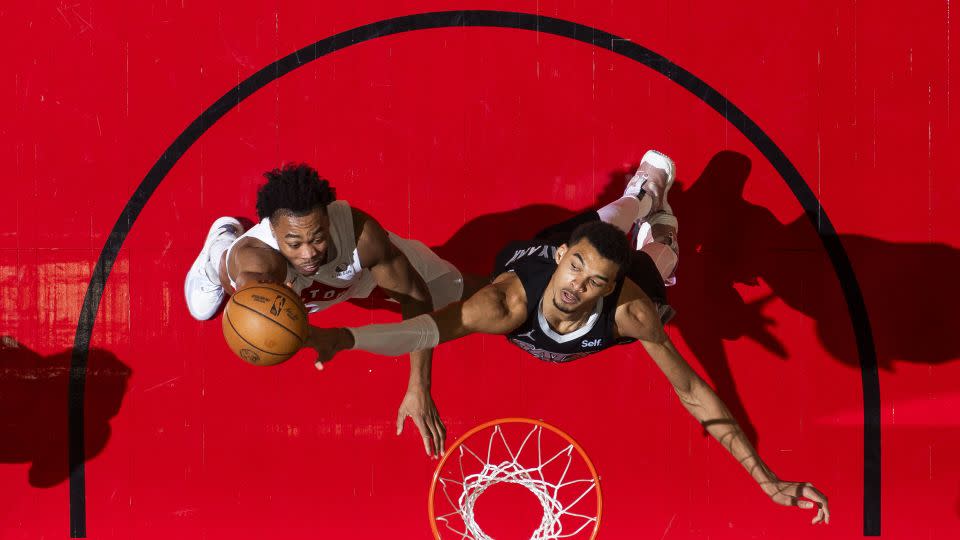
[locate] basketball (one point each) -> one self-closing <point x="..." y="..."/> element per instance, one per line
<point x="265" y="323"/>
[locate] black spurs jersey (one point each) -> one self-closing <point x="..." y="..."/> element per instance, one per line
<point x="534" y="264"/>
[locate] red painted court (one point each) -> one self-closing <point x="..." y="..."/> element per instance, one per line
<point x="817" y="196"/>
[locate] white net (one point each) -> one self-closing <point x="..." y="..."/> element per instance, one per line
<point x="561" y="497"/>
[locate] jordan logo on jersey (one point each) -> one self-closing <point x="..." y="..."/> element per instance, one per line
<point x="528" y="335"/>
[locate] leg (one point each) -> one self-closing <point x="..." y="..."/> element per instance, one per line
<point x="657" y="231"/>
<point x="657" y="237"/>
<point x="623" y="212"/>
<point x="642" y="271"/>
<point x="202" y="287"/>
<point x="644" y="203"/>
<point x="646" y="192"/>
<point x="645" y="195"/>
<point x="444" y="281"/>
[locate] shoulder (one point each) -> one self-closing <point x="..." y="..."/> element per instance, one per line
<point x="373" y="242"/>
<point x="510" y="295"/>
<point x="365" y="226"/>
<point x="498" y="308"/>
<point x="637" y="316"/>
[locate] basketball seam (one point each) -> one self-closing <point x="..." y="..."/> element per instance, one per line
<point x="239" y="335"/>
<point x="236" y="303"/>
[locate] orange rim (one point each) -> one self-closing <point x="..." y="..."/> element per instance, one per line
<point x="531" y="421"/>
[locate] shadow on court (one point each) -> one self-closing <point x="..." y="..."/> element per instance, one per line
<point x="726" y="241"/>
<point x="33" y="408"/>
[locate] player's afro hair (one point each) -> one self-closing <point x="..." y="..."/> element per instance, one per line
<point x="295" y="188"/>
<point x="610" y="242"/>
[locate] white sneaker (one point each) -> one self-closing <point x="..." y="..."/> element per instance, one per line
<point x="202" y="291"/>
<point x="638" y="183"/>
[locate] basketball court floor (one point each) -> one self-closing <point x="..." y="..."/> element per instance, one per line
<point x="816" y="193"/>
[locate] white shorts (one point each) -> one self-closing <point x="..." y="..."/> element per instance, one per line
<point x="443" y="279"/>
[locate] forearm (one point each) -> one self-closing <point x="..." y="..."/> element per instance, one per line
<point x="421" y="363"/>
<point x="414" y="334"/>
<point x="247" y="277"/>
<point x="485" y="312"/>
<point x="704" y="405"/>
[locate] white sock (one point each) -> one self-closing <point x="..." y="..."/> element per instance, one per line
<point x="622" y="212"/>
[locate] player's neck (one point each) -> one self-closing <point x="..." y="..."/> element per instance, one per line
<point x="563" y="322"/>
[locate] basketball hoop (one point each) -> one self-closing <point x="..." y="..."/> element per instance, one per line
<point x="523" y="452"/>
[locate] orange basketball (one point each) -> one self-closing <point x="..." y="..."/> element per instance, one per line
<point x="265" y="323"/>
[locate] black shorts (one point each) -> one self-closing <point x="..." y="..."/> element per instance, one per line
<point x="640" y="269"/>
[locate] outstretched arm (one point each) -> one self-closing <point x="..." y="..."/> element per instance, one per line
<point x="637" y="318"/>
<point x="497" y="308"/>
<point x="254" y="262"/>
<point x="396" y="276"/>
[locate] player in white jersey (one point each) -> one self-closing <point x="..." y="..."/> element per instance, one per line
<point x="327" y="252"/>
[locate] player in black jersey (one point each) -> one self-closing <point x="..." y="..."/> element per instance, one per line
<point x="590" y="306"/>
<point x="578" y="288"/>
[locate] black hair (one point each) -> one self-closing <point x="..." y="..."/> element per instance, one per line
<point x="610" y="242"/>
<point x="295" y="188"/>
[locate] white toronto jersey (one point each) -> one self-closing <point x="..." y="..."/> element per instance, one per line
<point x="338" y="279"/>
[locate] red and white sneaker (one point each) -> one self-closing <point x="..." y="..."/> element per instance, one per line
<point x="653" y="178"/>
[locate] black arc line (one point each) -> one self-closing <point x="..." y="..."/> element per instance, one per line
<point x="499" y="19"/>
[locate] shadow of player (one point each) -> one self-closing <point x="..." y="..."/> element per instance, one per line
<point x="474" y="246"/>
<point x="725" y="242"/>
<point x="33" y="408"/>
<point x="473" y="249"/>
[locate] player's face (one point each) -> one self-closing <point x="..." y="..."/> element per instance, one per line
<point x="303" y="240"/>
<point x="582" y="277"/>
